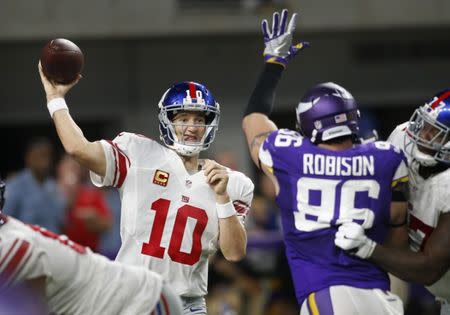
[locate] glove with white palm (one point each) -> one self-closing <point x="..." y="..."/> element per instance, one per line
<point x="278" y="40"/>
<point x="351" y="237"/>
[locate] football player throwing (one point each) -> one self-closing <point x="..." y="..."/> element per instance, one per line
<point x="177" y="209"/>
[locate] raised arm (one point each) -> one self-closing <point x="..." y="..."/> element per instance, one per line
<point x="278" y="51"/>
<point x="88" y="154"/>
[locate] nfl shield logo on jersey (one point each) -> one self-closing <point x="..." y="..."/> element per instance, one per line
<point x="184" y="199"/>
<point x="188" y="183"/>
<point x="161" y="178"/>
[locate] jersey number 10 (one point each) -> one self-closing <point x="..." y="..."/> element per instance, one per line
<point x="154" y="248"/>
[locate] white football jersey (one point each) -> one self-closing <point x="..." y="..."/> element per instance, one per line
<point x="428" y="198"/>
<point x="78" y="280"/>
<point x="168" y="221"/>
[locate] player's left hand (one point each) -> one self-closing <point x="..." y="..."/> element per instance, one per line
<point x="278" y="40"/>
<point x="217" y="178"/>
<point x="351" y="237"/>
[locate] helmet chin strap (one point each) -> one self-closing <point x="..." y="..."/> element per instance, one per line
<point x="422" y="158"/>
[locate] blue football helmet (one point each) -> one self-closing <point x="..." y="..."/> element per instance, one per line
<point x="428" y="131"/>
<point x="188" y="96"/>
<point x="327" y="111"/>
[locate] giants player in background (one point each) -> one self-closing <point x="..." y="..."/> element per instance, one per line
<point x="176" y="209"/>
<point x="425" y="140"/>
<point x="71" y="279"/>
<point x="323" y="178"/>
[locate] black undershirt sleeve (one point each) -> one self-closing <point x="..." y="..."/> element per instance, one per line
<point x="263" y="95"/>
<point x="398" y="195"/>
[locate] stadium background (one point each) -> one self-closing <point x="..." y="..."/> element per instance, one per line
<point x="391" y="55"/>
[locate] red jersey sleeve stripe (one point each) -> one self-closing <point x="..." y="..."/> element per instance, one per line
<point x="116" y="169"/>
<point x="8" y="253"/>
<point x="121" y="152"/>
<point x="166" y="305"/>
<point x="15" y="261"/>
<point x="123" y="164"/>
<point x="241" y="207"/>
<point x="7" y="281"/>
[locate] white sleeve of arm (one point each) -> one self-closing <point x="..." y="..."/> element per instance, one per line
<point x="108" y="180"/>
<point x="20" y="261"/>
<point x="444" y="194"/>
<point x="117" y="165"/>
<point x="241" y="193"/>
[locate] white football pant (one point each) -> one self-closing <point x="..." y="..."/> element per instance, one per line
<point x="346" y="300"/>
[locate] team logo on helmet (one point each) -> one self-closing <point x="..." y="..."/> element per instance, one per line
<point x="327" y="111"/>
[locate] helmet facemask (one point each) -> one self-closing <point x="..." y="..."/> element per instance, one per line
<point x="429" y="139"/>
<point x="168" y="128"/>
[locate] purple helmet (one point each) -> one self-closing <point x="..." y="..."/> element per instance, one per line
<point x="327" y="111"/>
<point x="429" y="131"/>
<point x="187" y="96"/>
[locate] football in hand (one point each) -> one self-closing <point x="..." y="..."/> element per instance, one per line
<point x="61" y="61"/>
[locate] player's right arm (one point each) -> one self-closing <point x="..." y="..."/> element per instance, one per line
<point x="19" y="260"/>
<point x="278" y="51"/>
<point x="89" y="154"/>
<point x="398" y="232"/>
<point x="425" y="267"/>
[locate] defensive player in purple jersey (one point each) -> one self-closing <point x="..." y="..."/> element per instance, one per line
<point x="323" y="179"/>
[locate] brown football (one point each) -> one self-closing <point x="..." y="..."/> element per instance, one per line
<point x="62" y="60"/>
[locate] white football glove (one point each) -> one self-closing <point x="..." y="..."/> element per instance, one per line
<point x="351" y="237"/>
<point x="278" y="39"/>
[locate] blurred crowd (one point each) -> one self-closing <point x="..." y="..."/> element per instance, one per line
<point x="59" y="197"/>
<point x="56" y="193"/>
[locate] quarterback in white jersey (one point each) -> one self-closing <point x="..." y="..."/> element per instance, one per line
<point x="425" y="139"/>
<point x="169" y="220"/>
<point x="74" y="280"/>
<point x="176" y="209"/>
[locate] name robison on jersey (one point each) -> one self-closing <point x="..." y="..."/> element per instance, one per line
<point x="169" y="220"/>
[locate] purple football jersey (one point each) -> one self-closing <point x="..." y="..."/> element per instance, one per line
<point x="321" y="189"/>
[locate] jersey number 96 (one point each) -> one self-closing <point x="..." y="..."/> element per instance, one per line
<point x="334" y="203"/>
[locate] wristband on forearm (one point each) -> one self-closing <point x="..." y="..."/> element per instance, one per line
<point x="225" y="210"/>
<point x="55" y="105"/>
<point x="262" y="97"/>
